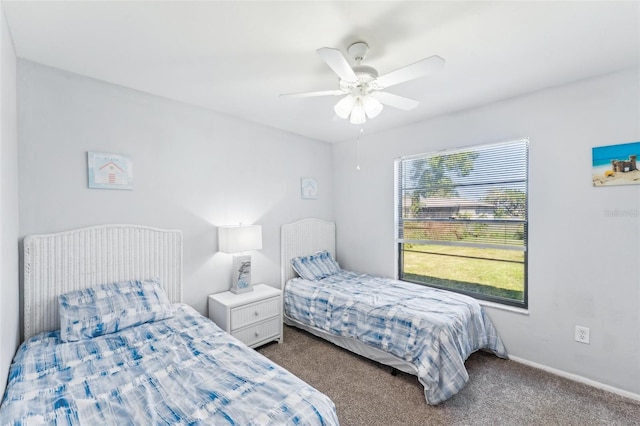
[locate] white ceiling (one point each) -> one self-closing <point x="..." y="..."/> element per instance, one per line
<point x="236" y="57"/>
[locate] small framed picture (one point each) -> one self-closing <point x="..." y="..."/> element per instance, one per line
<point x="109" y="171"/>
<point x="308" y="188"/>
<point x="616" y="164"/>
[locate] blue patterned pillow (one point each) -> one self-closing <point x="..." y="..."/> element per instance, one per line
<point x="315" y="266"/>
<point x="326" y="263"/>
<point x="109" y="308"/>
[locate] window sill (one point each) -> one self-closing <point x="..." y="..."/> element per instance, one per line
<point x="502" y="307"/>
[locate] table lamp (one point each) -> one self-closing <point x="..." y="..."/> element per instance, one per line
<point x="239" y="239"/>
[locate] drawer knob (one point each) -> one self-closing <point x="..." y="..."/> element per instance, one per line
<point x="257" y="334"/>
<point x="257" y="313"/>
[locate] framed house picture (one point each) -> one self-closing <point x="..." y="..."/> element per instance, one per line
<point x="109" y="171"/>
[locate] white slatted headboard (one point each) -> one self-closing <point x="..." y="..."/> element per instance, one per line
<point x="58" y="263"/>
<point x="303" y="237"/>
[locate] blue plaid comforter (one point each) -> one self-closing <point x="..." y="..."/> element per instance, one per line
<point x="182" y="370"/>
<point x="432" y="329"/>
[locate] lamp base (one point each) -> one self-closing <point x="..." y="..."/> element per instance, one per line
<point x="241" y="280"/>
<point x="236" y="290"/>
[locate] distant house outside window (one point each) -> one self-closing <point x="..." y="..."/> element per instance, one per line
<point x="461" y="220"/>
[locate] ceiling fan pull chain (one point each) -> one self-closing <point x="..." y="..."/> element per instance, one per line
<point x="358" y="150"/>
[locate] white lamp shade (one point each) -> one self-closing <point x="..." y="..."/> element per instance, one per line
<point x="344" y="106"/>
<point x="357" y="113"/>
<point x="236" y="239"/>
<point x="372" y="106"/>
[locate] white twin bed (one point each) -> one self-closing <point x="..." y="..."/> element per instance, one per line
<point x="416" y="329"/>
<point x="119" y="348"/>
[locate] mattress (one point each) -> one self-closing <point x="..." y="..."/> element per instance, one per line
<point x="181" y="370"/>
<point x="434" y="330"/>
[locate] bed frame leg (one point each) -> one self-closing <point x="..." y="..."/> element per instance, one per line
<point x="394" y="372"/>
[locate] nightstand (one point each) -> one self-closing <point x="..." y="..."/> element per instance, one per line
<point x="254" y="318"/>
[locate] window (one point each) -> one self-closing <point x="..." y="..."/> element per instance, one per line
<point x="461" y="220"/>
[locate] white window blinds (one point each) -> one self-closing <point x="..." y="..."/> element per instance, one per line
<point x="474" y="196"/>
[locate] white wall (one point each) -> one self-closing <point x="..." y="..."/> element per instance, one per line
<point x="9" y="290"/>
<point x="584" y="242"/>
<point x="193" y="170"/>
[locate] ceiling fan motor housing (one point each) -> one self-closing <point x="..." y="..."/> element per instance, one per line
<point x="365" y="75"/>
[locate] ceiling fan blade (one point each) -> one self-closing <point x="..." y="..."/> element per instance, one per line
<point x="410" y="72"/>
<point x="395" y="101"/>
<point x="338" y="63"/>
<point x="312" y="94"/>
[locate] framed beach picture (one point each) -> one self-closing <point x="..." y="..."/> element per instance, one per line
<point x="109" y="171"/>
<point x="616" y="164"/>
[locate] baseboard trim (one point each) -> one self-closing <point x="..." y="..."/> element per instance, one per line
<point x="577" y="378"/>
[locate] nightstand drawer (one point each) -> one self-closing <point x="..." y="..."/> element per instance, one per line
<point x="255" y="312"/>
<point x="258" y="332"/>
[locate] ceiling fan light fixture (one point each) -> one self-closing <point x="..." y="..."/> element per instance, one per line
<point x="372" y="106"/>
<point x="344" y="106"/>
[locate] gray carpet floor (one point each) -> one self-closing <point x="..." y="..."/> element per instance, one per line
<point x="499" y="392"/>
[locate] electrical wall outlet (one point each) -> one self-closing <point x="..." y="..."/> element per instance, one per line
<point x="582" y="334"/>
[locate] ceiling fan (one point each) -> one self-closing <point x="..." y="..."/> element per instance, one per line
<point x="362" y="87"/>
